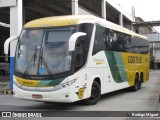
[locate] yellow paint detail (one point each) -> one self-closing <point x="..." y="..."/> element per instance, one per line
<point x="81" y="93"/>
<point x="7" y="92"/>
<point x="98" y="63"/>
<point x="58" y="21"/>
<point x="25" y="82"/>
<point x="136" y="63"/>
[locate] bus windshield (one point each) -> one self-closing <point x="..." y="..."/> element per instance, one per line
<point x="44" y="51"/>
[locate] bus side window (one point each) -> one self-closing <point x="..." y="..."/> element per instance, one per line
<point x="79" y="54"/>
<point x="108" y="39"/>
<point x="99" y="40"/>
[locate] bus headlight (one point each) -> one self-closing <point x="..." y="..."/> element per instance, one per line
<point x="64" y="85"/>
<point x="16" y="84"/>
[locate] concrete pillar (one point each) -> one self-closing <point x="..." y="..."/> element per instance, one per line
<point x="20" y="16"/>
<point x="121" y="19"/>
<point x="74" y="7"/>
<point x="16" y="23"/>
<point x="13" y="21"/>
<point x="132" y="27"/>
<point x="153" y="45"/>
<point x="16" y="18"/>
<point x="103" y="6"/>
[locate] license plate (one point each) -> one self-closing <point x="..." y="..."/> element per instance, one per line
<point x="37" y="96"/>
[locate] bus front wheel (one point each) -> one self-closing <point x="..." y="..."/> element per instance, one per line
<point x="95" y="94"/>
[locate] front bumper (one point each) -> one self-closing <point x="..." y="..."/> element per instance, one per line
<point x="65" y="95"/>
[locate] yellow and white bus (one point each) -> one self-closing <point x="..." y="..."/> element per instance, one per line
<point x="72" y="58"/>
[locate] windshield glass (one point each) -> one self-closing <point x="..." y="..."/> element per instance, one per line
<point x="44" y="51"/>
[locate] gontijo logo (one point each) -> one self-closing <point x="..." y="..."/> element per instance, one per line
<point x="134" y="59"/>
<point x="80" y="93"/>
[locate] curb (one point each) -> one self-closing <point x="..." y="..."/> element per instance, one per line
<point x="6" y="89"/>
<point x="4" y="83"/>
<point x="159" y="97"/>
<point x="7" y="92"/>
<point x="158" y="106"/>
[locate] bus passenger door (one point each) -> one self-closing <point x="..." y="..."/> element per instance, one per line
<point x="80" y="70"/>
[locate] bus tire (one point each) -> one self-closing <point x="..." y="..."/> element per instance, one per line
<point x="155" y="66"/>
<point x="95" y="94"/>
<point x="140" y="81"/>
<point x="136" y="84"/>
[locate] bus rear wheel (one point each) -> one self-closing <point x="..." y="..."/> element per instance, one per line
<point x="140" y="81"/>
<point x="137" y="84"/>
<point x="95" y="94"/>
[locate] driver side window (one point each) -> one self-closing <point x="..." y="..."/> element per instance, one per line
<point x="79" y="55"/>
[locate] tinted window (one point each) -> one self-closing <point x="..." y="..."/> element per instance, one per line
<point x="139" y="45"/>
<point x="110" y="40"/>
<point x="82" y="45"/>
<point x="86" y="28"/>
<point x="99" y="44"/>
<point x="79" y="59"/>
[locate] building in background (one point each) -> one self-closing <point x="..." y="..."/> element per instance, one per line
<point x="147" y="29"/>
<point x="154" y="39"/>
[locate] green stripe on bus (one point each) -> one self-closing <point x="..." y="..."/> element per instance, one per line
<point x="56" y="82"/>
<point x="43" y="83"/>
<point x="117" y="66"/>
<point x="46" y="83"/>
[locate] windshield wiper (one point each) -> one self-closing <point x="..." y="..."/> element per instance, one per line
<point x="34" y="57"/>
<point x="43" y="62"/>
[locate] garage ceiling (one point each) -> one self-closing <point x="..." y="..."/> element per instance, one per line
<point x="34" y="9"/>
<point x="5" y="15"/>
<point x="93" y="6"/>
<point x="43" y="8"/>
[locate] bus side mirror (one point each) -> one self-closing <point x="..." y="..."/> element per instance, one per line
<point x="73" y="39"/>
<point x="6" y="45"/>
